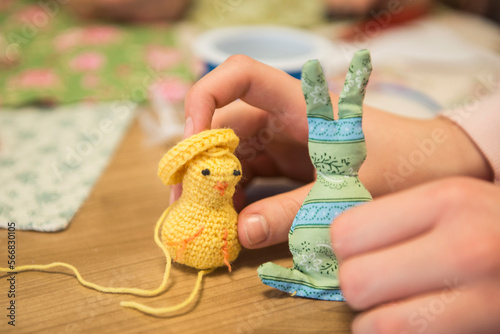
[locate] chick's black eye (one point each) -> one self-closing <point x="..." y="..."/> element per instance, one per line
<point x="236" y="172"/>
<point x="205" y="172"/>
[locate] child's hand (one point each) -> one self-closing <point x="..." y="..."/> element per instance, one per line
<point x="426" y="260"/>
<point x="271" y="120"/>
<point x="270" y="99"/>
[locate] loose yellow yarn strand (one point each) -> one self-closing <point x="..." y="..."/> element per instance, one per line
<point x="162" y="310"/>
<point x="133" y="291"/>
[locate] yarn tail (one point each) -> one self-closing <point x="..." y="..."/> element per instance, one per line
<point x="162" y="310"/>
<point x="132" y="291"/>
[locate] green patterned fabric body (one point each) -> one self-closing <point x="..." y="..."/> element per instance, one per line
<point x="337" y="150"/>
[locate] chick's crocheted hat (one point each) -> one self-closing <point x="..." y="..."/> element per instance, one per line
<point x="172" y="166"/>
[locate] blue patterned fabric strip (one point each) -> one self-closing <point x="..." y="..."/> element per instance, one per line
<point x="314" y="214"/>
<point x="340" y="130"/>
<point x="303" y="290"/>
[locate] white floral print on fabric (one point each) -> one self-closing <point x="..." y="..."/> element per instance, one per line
<point x="320" y="95"/>
<point x="361" y="77"/>
<point x="51" y="158"/>
<point x="310" y="262"/>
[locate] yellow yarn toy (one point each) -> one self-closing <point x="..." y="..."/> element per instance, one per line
<point x="199" y="229"/>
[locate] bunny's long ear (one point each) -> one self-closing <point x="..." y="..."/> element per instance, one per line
<point x="353" y="93"/>
<point x="315" y="91"/>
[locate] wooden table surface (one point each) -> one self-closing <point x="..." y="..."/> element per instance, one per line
<point x="110" y="241"/>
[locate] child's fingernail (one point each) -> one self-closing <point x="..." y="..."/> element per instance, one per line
<point x="188" y="128"/>
<point x="256" y="229"/>
<point x="175" y="193"/>
<point x="172" y="197"/>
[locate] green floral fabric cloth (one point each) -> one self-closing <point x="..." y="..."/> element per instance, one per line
<point x="49" y="56"/>
<point x="50" y="160"/>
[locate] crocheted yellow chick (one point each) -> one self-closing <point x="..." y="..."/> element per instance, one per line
<point x="200" y="229"/>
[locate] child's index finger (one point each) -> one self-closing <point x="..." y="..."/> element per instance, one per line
<point x="241" y="77"/>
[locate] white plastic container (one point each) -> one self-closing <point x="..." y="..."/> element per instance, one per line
<point x="285" y="48"/>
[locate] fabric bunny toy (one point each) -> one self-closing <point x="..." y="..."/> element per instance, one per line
<point x="337" y="150"/>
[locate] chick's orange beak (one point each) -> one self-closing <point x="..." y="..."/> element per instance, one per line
<point x="221" y="187"/>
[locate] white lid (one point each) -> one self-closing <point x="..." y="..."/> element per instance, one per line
<point x="285" y="48"/>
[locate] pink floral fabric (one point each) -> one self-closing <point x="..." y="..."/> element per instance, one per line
<point x="54" y="58"/>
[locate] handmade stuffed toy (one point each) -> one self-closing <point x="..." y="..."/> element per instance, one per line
<point x="337" y="150"/>
<point x="199" y="229"/>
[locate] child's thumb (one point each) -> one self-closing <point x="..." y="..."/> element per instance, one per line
<point x="267" y="222"/>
